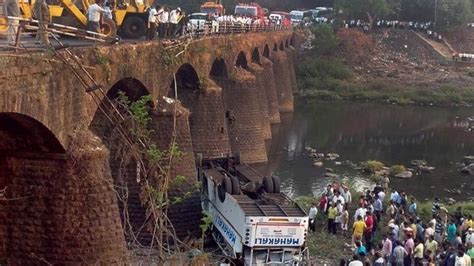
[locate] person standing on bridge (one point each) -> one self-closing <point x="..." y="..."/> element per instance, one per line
<point x="94" y="15"/>
<point x="151" y="31"/>
<point x="163" y="19"/>
<point x="12" y="10"/>
<point x="174" y="19"/>
<point x="41" y="10"/>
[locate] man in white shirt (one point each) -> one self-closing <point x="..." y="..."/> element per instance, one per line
<point x="163" y="19"/>
<point x="347" y="195"/>
<point x="313" y="211"/>
<point x="338" y="197"/>
<point x="174" y="19"/>
<point x="93" y="15"/>
<point x="355" y="261"/>
<point x="152" y="14"/>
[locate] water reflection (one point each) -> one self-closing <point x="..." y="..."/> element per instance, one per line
<point x="363" y="131"/>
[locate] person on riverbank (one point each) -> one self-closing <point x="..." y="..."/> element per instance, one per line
<point x="378" y="207"/>
<point x="368" y="233"/>
<point x="323" y="203"/>
<point x="418" y="253"/>
<point x="332" y="213"/>
<point x="431" y="246"/>
<point x="398" y="254"/>
<point x="451" y="232"/>
<point x="313" y="212"/>
<point x="409" y="249"/>
<point x="358" y="229"/>
<point x="344" y="219"/>
<point x="387" y="247"/>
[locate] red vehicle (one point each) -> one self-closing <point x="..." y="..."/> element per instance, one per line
<point x="252" y="10"/>
<point x="285" y="17"/>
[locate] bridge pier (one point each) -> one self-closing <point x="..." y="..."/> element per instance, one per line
<point x="243" y="114"/>
<point x="185" y="214"/>
<point x="268" y="77"/>
<point x="290" y="54"/>
<point x="258" y="70"/>
<point x="283" y="81"/>
<point x="61" y="208"/>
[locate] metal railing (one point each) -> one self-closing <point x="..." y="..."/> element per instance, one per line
<point x="26" y="27"/>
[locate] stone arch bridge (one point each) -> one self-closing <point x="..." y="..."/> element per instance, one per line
<point x="57" y="166"/>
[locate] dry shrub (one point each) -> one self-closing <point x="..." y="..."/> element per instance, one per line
<point x="355" y="45"/>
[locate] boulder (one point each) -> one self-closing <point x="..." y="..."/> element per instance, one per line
<point x="468" y="159"/>
<point x="337" y="163"/>
<point x="468" y="170"/>
<point x="331" y="175"/>
<point x="426" y="169"/>
<point x="450" y="201"/>
<point x="418" y="163"/>
<point x="404" y="175"/>
<point x="317" y="164"/>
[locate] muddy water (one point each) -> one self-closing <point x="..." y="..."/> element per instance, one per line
<point x="367" y="131"/>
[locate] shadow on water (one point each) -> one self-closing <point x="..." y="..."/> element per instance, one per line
<point x="368" y="131"/>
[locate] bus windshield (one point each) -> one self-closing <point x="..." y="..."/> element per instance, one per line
<point x="246" y="11"/>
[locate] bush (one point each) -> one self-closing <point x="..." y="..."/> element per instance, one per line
<point x="325" y="41"/>
<point x="397" y="169"/>
<point x="322" y="74"/>
<point x="372" y="166"/>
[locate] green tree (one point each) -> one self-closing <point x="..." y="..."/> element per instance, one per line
<point x="325" y="41"/>
<point x="370" y="9"/>
<point x="452" y="13"/>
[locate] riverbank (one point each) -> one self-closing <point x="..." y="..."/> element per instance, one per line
<point x="387" y="67"/>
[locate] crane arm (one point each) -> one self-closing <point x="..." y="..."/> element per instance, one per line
<point x="74" y="10"/>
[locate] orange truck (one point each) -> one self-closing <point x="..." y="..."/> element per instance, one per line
<point x="213" y="8"/>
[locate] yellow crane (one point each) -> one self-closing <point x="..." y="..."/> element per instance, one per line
<point x="129" y="16"/>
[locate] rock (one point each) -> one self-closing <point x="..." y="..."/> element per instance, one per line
<point x="404" y="175"/>
<point x="334" y="155"/>
<point x="329" y="170"/>
<point x="337" y="163"/>
<point x="418" y="163"/>
<point x="317" y="164"/>
<point x="469" y="159"/>
<point x="450" y="201"/>
<point x="426" y="169"/>
<point x="320" y="155"/>
<point x="468" y="170"/>
<point x="330" y="175"/>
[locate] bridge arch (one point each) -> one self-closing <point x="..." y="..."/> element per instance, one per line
<point x="21" y="133"/>
<point x="256" y="56"/>
<point x="31" y="169"/>
<point x="266" y="51"/>
<point x="124" y="173"/>
<point x="287" y="45"/>
<point x="275" y="47"/>
<point x="282" y="47"/>
<point x="241" y="61"/>
<point x="219" y="69"/>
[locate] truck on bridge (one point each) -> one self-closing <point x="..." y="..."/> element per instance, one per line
<point x="252" y="221"/>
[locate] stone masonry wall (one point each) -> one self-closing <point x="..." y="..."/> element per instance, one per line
<point x="61" y="214"/>
<point x="291" y="68"/>
<point x="185" y="215"/>
<point x="207" y="121"/>
<point x="270" y="87"/>
<point x="245" y="131"/>
<point x="283" y="81"/>
<point x="257" y="70"/>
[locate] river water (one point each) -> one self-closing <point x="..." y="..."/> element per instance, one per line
<point x="367" y="131"/>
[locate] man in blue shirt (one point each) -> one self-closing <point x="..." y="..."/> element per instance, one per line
<point x="412" y="207"/>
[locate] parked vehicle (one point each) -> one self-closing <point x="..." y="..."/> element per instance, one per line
<point x="252" y="10"/>
<point x="252" y="221"/>
<point x="297" y="16"/>
<point x="213" y="8"/>
<point x="202" y="23"/>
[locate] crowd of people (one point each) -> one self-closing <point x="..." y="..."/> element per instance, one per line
<point x="403" y="238"/>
